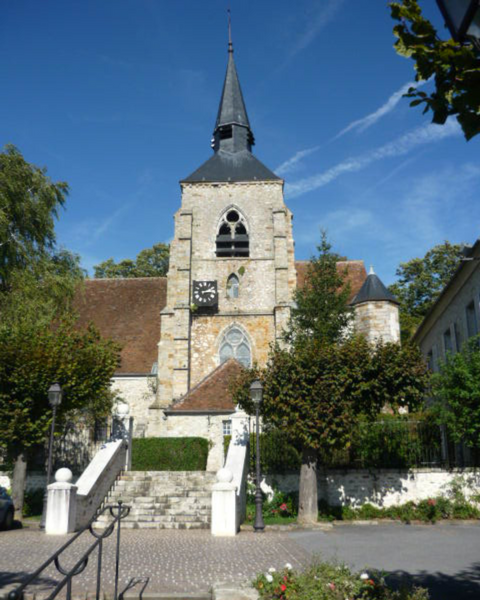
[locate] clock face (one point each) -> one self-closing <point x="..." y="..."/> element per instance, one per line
<point x="205" y="293"/>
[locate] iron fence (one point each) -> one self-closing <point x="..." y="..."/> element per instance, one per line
<point x="390" y="443"/>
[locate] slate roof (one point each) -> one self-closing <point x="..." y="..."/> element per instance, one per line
<point x="373" y="290"/>
<point x="356" y="273"/>
<point x="212" y="394"/>
<point x="128" y="311"/>
<point x="232" y="166"/>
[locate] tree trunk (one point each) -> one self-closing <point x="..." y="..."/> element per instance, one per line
<point x="18" y="482"/>
<point x="308" y="496"/>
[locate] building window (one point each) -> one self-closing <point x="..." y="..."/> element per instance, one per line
<point x="235" y="344"/>
<point x="227" y="427"/>
<point x="472" y="325"/>
<point x="232" y="286"/>
<point x="447" y="341"/>
<point x="232" y="238"/>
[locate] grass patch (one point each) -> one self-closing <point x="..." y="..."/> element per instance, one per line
<point x="169" y="454"/>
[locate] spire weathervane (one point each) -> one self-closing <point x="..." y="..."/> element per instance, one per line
<point x="230" y="45"/>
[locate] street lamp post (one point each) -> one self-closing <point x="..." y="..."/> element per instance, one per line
<point x="256" y="392"/>
<point x="54" y="399"/>
<point x="462" y="17"/>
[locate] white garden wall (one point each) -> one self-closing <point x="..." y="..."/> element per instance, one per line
<point x="381" y="487"/>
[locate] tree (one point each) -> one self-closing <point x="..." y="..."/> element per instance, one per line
<point x="456" y="389"/>
<point x="420" y="282"/>
<point x="29" y="202"/>
<point x="318" y="387"/>
<point x="151" y="262"/>
<point x="39" y="341"/>
<point x="454" y="67"/>
<point x="321" y="311"/>
<point x="31" y="359"/>
<point x="318" y="393"/>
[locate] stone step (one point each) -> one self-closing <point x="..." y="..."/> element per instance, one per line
<point x="162" y="500"/>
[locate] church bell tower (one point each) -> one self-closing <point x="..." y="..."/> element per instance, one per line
<point x="232" y="270"/>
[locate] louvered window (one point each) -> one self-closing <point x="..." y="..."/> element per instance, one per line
<point x="232" y="237"/>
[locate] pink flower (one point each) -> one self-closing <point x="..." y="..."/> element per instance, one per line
<point x="283" y="506"/>
<point x="283" y="587"/>
<point x="331" y="585"/>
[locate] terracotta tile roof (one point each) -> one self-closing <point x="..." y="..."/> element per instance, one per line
<point x="356" y="273"/>
<point x="128" y="311"/>
<point x="212" y="393"/>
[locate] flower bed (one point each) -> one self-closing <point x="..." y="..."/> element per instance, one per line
<point x="329" y="581"/>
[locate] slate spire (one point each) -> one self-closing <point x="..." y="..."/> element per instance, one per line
<point x="233" y="139"/>
<point x="232" y="130"/>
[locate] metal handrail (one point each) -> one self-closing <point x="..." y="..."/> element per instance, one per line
<point x="80" y="565"/>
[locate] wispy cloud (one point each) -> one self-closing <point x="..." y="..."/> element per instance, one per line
<point x="359" y="125"/>
<point x="421" y="136"/>
<point x="292" y="163"/>
<point x="372" y="118"/>
<point x="324" y="13"/>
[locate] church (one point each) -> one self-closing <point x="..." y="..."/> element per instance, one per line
<point x="227" y="296"/>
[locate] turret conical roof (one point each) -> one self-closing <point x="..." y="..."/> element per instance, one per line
<point x="373" y="290"/>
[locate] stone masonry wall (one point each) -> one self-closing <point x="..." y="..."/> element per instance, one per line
<point x="138" y="393"/>
<point x="207" y="333"/>
<point x="380" y="487"/>
<point x="378" y="320"/>
<point x="267" y="279"/>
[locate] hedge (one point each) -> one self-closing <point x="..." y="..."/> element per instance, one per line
<point x="169" y="454"/>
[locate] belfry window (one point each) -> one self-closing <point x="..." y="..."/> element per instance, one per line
<point x="232" y="237"/>
<point x="235" y="344"/>
<point x="232" y="286"/>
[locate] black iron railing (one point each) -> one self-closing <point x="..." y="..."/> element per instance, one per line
<point x="118" y="512"/>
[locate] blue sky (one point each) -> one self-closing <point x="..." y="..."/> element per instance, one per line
<point x="119" y="99"/>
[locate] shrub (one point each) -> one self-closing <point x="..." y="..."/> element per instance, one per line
<point x="329" y="581"/>
<point x="33" y="502"/>
<point x="169" y="454"/>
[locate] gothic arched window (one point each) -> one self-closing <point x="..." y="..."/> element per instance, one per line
<point x="235" y="344"/>
<point x="233" y="285"/>
<point x="232" y="237"/>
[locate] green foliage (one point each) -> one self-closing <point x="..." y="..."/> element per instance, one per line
<point x="317" y="394"/>
<point x="329" y="581"/>
<point x="420" y="282"/>
<point x="32" y="358"/>
<point x="33" y="502"/>
<point x="456" y="389"/>
<point x="281" y="509"/>
<point x="169" y="454"/>
<point x="454" y="67"/>
<point x="394" y="441"/>
<point x="151" y="262"/>
<point x="321" y="313"/>
<point x="29" y="202"/>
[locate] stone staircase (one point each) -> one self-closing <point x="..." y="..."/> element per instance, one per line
<point x="162" y="499"/>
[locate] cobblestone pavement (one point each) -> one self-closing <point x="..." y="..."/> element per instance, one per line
<point x="175" y="561"/>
